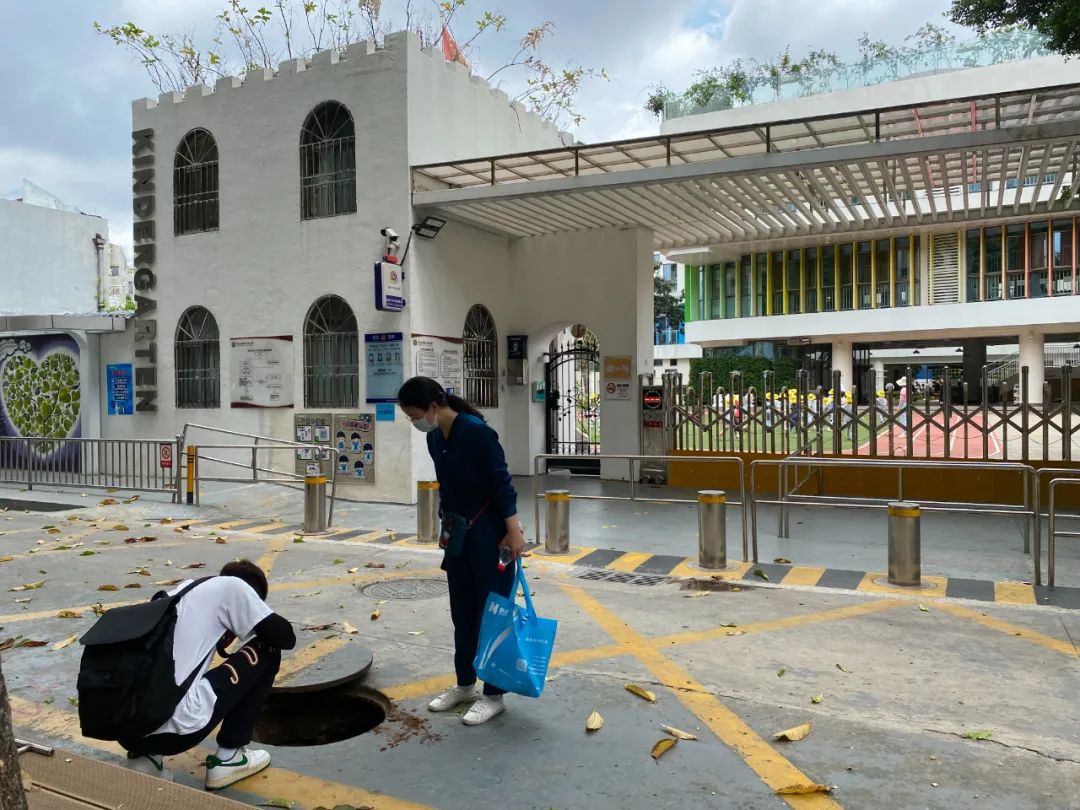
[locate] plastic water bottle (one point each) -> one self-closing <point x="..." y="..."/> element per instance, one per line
<point x="506" y="556"/>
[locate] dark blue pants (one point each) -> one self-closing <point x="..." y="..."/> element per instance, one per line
<point x="471" y="576"/>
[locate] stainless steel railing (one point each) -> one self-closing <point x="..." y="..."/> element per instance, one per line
<point x="141" y="465"/>
<point x="1052" y="532"/>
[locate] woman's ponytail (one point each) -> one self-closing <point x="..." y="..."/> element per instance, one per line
<point x="423" y="392"/>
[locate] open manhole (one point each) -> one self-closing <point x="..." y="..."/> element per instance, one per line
<point x="412" y="588"/>
<point x="319" y="718"/>
<point x="714" y="585"/>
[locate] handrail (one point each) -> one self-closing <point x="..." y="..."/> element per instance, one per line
<point x="632" y="459"/>
<point x="1052" y="532"/>
<point x="784" y="499"/>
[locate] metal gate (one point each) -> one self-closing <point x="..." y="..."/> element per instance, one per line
<point x="573" y="399"/>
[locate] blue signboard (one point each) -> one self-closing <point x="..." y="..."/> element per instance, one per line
<point x="121" y="391"/>
<point x="384" y="412"/>
<point x="385" y="368"/>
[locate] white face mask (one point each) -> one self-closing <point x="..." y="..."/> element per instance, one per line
<point x="423" y="425"/>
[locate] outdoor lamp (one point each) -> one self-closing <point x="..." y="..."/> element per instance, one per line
<point x="429" y="227"/>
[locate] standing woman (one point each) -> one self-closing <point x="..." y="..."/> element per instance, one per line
<point x="478" y="507"/>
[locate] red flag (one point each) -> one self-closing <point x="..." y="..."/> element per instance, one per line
<point x="450" y="50"/>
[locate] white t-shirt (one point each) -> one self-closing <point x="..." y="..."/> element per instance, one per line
<point x="202" y="617"/>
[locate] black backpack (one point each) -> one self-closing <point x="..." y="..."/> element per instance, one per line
<point x="127" y="682"/>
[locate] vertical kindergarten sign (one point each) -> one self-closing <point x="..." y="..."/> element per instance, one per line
<point x="121" y="392"/>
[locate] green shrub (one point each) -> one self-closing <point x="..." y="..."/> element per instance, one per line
<point x="751" y="368"/>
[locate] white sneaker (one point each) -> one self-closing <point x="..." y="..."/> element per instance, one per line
<point x="149" y="765"/>
<point x="483" y="710"/>
<point x="454" y="697"/>
<point x="247" y="762"/>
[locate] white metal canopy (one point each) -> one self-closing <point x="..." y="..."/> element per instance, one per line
<point x="895" y="167"/>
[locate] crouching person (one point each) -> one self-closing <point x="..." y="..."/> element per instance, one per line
<point x="144" y="679"/>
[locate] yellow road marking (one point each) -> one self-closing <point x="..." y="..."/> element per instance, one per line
<point x="273" y="551"/>
<point x="936" y="591"/>
<point x="1015" y="630"/>
<point x="629" y="561"/>
<point x="690" y="569"/>
<point x="412" y="542"/>
<point x="307" y="791"/>
<point x="229" y="524"/>
<point x="575" y="554"/>
<point x="304" y="658"/>
<point x="1014" y="593"/>
<point x="266" y="527"/>
<point x="773" y="769"/>
<point x="363" y="538"/>
<point x="51" y="613"/>
<point x="803" y="575"/>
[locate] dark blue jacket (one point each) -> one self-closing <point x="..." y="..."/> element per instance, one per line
<point x="471" y="468"/>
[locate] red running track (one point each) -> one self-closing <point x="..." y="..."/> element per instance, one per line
<point x="929" y="439"/>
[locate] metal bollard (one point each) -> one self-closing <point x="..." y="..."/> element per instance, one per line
<point x="905" y="544"/>
<point x="712" y="529"/>
<point x="557" y="525"/>
<point x="315" y="504"/>
<point x="427" y="511"/>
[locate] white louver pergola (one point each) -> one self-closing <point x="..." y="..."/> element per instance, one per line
<point x="942" y="162"/>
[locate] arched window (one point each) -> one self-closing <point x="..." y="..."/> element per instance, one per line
<point x="481" y="366"/>
<point x="331" y="355"/>
<point x="327" y="162"/>
<point x="195" y="184"/>
<point x="198" y="360"/>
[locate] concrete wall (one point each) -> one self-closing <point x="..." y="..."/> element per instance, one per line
<point x="919" y="90"/>
<point x="50" y="264"/>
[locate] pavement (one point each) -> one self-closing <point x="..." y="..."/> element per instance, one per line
<point x="915" y="699"/>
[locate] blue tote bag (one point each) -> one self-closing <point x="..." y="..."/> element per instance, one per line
<point x="515" y="644"/>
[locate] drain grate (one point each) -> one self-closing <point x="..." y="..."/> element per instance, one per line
<point x="418" y="588"/>
<point x="623" y="578"/>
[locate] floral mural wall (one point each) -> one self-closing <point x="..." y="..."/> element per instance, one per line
<point x="40" y="395"/>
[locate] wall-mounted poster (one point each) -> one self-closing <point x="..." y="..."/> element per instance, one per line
<point x="261" y="372"/>
<point x="121" y="389"/>
<point x="439" y="358"/>
<point x="354" y="448"/>
<point x="385" y="367"/>
<point x="617" y="377"/>
<point x="313" y="428"/>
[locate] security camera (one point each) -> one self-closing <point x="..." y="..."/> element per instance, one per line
<point x="389" y="233"/>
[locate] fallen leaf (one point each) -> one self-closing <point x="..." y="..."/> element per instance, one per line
<point x="402" y="564"/>
<point x="782" y="561"/>
<point x="793" y="734"/>
<point x="8" y="558"/>
<point x="662" y="747"/>
<point x="924" y="608"/>
<point x="817" y="699"/>
<point x="416" y="632"/>
<point x="729" y="624"/>
<point x="142" y="571"/>
<point x="168" y="582"/>
<point x="644" y="694"/>
<point x="841" y="668"/>
<point x="761" y="574"/>
<point x="72" y="518"/>
<point x="53" y="530"/>
<point x="374" y="565"/>
<point x="133" y="585"/>
<point x="194" y="565"/>
<point x="376" y="614"/>
<point x="802" y="790"/>
<point x="73" y="701"/>
<point x="337" y="562"/>
<point x="29" y="586"/>
<point x="132" y="499"/>
<point x="348" y="628"/>
<point x="595" y="722"/>
<point x="678" y="734"/>
<point x="353" y="570"/>
<point x="780" y="673"/>
<point x="102" y="543"/>
<point x="69" y="614"/>
<point x="318" y="628"/>
<point x="67" y="642"/>
<point x="285" y="803"/>
<point x="107" y="588"/>
<point x="737" y="633"/>
<point x="22" y="601"/>
<point x="695" y="595"/>
<point x="166" y="521"/>
<point x="298" y="539"/>
<point x="62" y="548"/>
<point x="48" y="701"/>
<point x="306" y="595"/>
<point x="146" y="539"/>
<point x="979" y="735"/>
<point x="220" y="541"/>
<point x="98" y="608"/>
<point x="87" y="553"/>
<point x="108" y="502"/>
<point x="119" y="527"/>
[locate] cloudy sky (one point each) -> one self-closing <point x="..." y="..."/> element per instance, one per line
<point x="65" y="109"/>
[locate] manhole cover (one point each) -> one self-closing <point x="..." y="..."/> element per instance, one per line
<point x="419" y="588"/>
